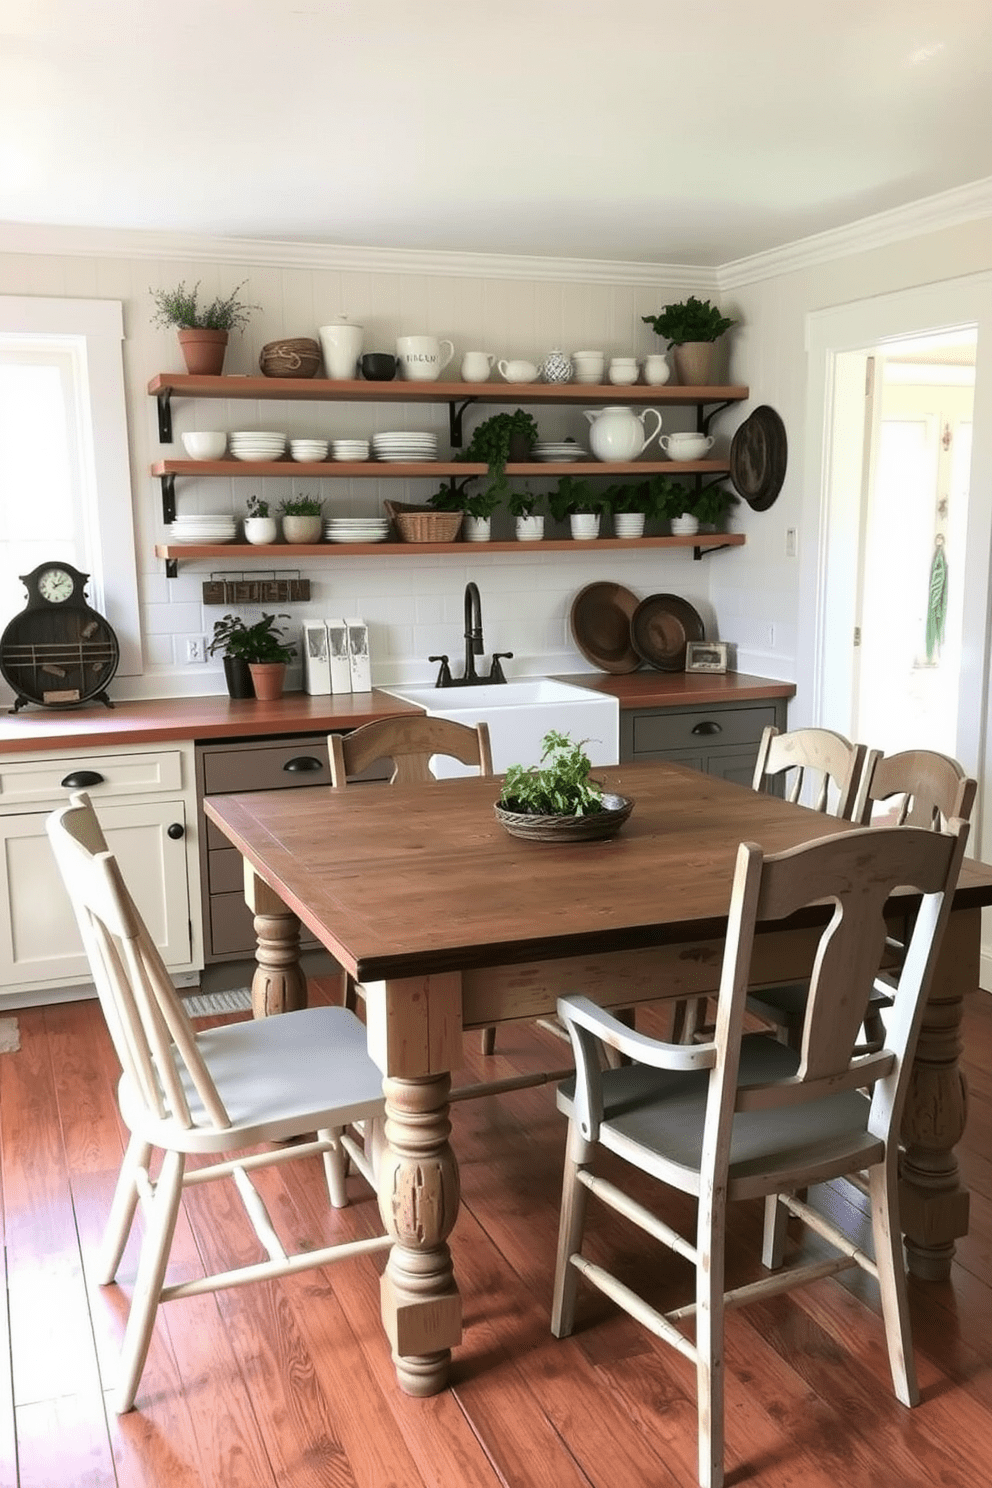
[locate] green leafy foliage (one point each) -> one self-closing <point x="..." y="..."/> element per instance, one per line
<point x="659" y="496"/>
<point x="259" y="642"/>
<point x="257" y="507"/>
<point x="711" y="504"/>
<point x="180" y="307"/>
<point x="524" y="502"/>
<point x="689" y="320"/>
<point x="575" y="493"/>
<point x="301" y="506"/>
<point x="490" y="445"/>
<point x="560" y="787"/>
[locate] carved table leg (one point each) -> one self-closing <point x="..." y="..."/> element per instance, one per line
<point x="934" y="1205"/>
<point x="279" y="984"/>
<point x="415" y="1035"/>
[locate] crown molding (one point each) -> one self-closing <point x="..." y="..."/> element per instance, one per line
<point x="929" y="214"/>
<point x="272" y="253"/>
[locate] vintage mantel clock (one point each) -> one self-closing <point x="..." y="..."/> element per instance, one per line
<point x="58" y="652"/>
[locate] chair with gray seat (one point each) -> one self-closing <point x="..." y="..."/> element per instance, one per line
<point x="220" y="1093"/>
<point x="744" y="1116"/>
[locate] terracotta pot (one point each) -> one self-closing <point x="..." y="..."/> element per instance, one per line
<point x="694" y="363"/>
<point x="239" y="683"/>
<point x="268" y="679"/>
<point x="203" y="351"/>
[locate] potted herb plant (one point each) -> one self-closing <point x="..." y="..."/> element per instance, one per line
<point x="691" y="327"/>
<point x="497" y="440"/>
<point x="259" y="526"/>
<point x="203" y="329"/>
<point x="261" y="647"/>
<point x="575" y="498"/>
<point x="523" y="506"/>
<point x="478" y="508"/>
<point x="229" y="637"/>
<point x="633" y="503"/>
<point x="557" y="800"/>
<point x="301" y="521"/>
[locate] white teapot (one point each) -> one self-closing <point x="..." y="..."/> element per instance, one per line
<point x="617" y="433"/>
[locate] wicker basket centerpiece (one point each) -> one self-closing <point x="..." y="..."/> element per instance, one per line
<point x="423" y="524"/>
<point x="557" y="801"/>
<point x="595" y="828"/>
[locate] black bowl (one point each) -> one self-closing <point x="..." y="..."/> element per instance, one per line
<point x="378" y="366"/>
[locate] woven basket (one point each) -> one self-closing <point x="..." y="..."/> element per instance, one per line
<point x="605" y="823"/>
<point x="422" y="524"/>
<point x="297" y="357"/>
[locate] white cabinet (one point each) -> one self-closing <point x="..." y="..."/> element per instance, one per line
<point x="145" y="800"/>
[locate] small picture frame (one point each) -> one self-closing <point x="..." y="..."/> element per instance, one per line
<point x="706" y="656"/>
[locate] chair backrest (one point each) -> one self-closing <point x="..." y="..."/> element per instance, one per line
<point x="152" y="1034"/>
<point x="857" y="872"/>
<point x="409" y="742"/>
<point x="932" y="787"/>
<point x="823" y="768"/>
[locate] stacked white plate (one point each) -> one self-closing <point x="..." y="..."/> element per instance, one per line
<point x="350" y="449"/>
<point x="558" y="451"/>
<point x="257" y="444"/>
<point x="402" y="445"/>
<point x="219" y="529"/>
<point x="308" y="449"/>
<point x="356" y="529"/>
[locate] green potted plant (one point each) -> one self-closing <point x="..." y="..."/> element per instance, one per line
<point x="523" y="504"/>
<point x="203" y="329"/>
<point x="633" y="503"/>
<point x="496" y="441"/>
<point x="557" y="799"/>
<point x="478" y="506"/>
<point x="691" y="327"/>
<point x="260" y="527"/>
<point x="575" y="499"/>
<point x="301" y="520"/>
<point x="260" y="647"/>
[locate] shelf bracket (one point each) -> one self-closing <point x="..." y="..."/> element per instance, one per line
<point x="698" y="553"/>
<point x="171" y="568"/>
<point x="455" y="411"/>
<point x="164" y="400"/>
<point x="703" y="420"/>
<point x="168" y="498"/>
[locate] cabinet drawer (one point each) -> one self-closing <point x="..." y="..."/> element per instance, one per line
<point x="25" y="782"/>
<point x="701" y="728"/>
<point x="255" y="767"/>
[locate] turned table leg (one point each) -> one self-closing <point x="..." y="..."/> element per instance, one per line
<point x="278" y="985"/>
<point x="415" y="1032"/>
<point x="933" y="1203"/>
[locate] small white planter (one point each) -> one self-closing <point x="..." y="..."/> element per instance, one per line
<point x="584" y="525"/>
<point x="303" y="529"/>
<point x="628" y="524"/>
<point x="261" y="529"/>
<point x="530" y="529"/>
<point x="685" y="525"/>
<point x="478" y="529"/>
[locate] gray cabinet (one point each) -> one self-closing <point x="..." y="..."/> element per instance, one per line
<point x="721" y="739"/>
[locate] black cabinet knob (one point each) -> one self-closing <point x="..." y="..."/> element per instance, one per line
<point x="80" y="779"/>
<point x="302" y="762"/>
<point x="175" y="830"/>
<point x="707" y="727"/>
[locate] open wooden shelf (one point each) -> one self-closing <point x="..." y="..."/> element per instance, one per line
<point x="700" y="541"/>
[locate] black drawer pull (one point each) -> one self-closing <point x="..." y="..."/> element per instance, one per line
<point x="175" y="830"/>
<point x="707" y="727"/>
<point x="300" y="763"/>
<point x="80" y="779"/>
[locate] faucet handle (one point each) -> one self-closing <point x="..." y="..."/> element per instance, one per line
<point x="444" y="672"/>
<point x="495" y="670"/>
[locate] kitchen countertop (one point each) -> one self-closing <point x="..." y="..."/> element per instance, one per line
<point x="161" y="720"/>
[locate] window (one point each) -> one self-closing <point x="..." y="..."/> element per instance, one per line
<point x="65" y="487"/>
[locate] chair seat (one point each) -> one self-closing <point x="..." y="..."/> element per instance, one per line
<point x="659" y="1116"/>
<point x="277" y="1077"/>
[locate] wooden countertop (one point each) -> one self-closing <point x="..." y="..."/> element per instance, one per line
<point x="161" y="720"/>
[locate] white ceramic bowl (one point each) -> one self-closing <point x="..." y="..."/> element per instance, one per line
<point x="205" y="446"/>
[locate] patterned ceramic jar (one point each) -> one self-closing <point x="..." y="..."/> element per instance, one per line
<point x="556" y="367"/>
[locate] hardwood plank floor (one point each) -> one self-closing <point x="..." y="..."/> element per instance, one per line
<point x="290" y="1385"/>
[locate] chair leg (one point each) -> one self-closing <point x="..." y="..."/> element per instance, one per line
<point x="688" y="1017"/>
<point x="773" y="1236"/>
<point x="148" y="1282"/>
<point x="709" y="1340"/>
<point x="335" y="1168"/>
<point x="121" y="1216"/>
<point x="489" y="1040"/>
<point x="882" y="1188"/>
<point x="574" y="1196"/>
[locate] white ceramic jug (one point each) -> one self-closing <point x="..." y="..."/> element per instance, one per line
<point x="517" y="371"/>
<point x="423" y="358"/>
<point x="617" y="433"/>
<point x="341" y="345"/>
<point x="476" y="366"/>
<point x="656" y="369"/>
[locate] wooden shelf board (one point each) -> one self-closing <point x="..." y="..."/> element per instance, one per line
<point x="386" y="470"/>
<point x="284" y="551"/>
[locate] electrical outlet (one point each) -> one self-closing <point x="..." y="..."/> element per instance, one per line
<point x="196" y="648"/>
<point x="791" y="542"/>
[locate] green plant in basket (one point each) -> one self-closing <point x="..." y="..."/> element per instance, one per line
<point x="559" y="787"/>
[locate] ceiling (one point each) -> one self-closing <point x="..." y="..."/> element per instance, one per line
<point x="691" y="132"/>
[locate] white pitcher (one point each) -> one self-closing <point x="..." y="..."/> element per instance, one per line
<point x="617" y="433"/>
<point x="423" y="358"/>
<point x="341" y="345"/>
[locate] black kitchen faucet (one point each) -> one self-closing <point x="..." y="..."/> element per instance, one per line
<point x="473" y="648"/>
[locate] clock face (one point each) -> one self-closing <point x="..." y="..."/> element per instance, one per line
<point x="55" y="585"/>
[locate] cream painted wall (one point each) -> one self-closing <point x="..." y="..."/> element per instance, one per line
<point x="413" y="604"/>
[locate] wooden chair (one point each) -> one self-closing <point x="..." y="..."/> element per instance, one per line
<point x="219" y="1093"/>
<point x="745" y="1117"/>
<point x="409" y="742"/>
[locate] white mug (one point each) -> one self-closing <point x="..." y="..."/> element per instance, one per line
<point x="422" y="358"/>
<point x="588" y="365"/>
<point x="476" y="366"/>
<point x="518" y="371"/>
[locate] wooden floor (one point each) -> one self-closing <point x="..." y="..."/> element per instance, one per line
<point x="291" y="1384"/>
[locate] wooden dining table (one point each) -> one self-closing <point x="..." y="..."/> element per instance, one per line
<point x="450" y="924"/>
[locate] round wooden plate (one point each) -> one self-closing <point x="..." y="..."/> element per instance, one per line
<point x="600" y="621"/>
<point x="661" y="627"/>
<point x="758" y="455"/>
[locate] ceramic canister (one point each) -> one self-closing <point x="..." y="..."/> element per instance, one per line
<point x="341" y="346"/>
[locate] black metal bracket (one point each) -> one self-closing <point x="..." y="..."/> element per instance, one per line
<point x="703" y="420"/>
<point x="168" y="497"/>
<point x="455" y="411"/>
<point x="164" y="399"/>
<point x="698" y="553"/>
<point x="171" y="568"/>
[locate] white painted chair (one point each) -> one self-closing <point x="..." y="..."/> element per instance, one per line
<point x="745" y="1117"/>
<point x="218" y="1093"/>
